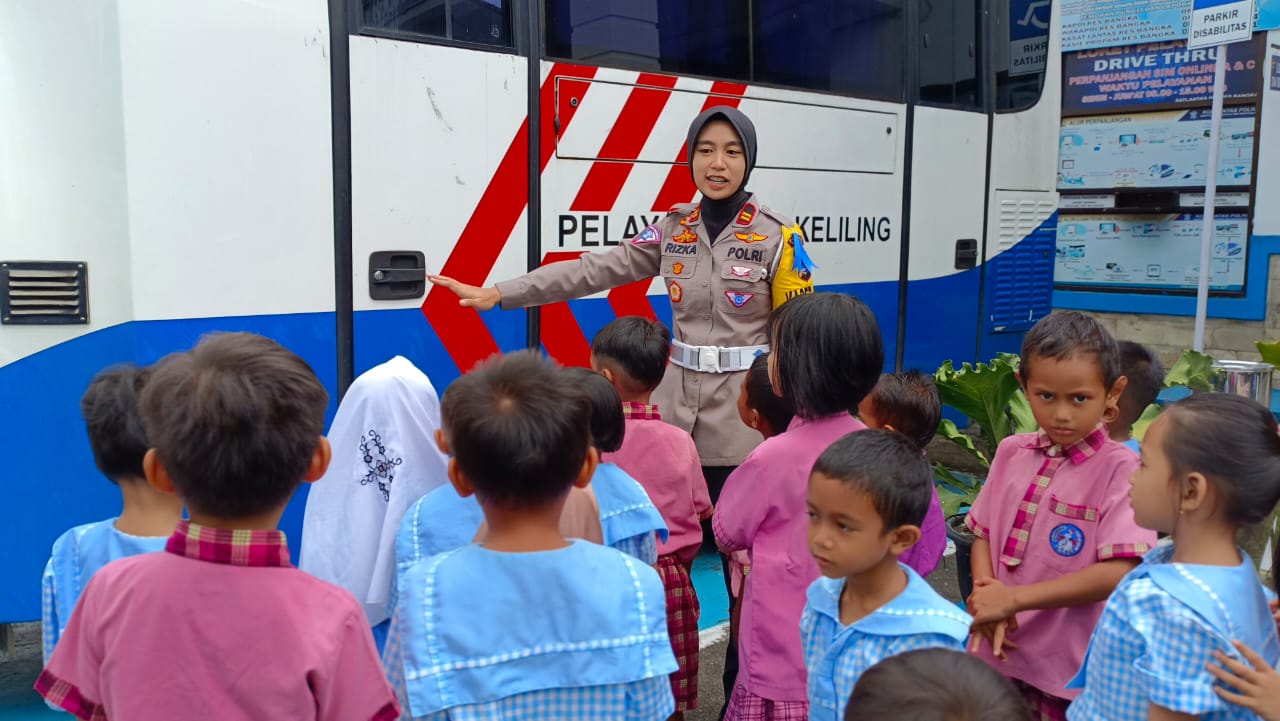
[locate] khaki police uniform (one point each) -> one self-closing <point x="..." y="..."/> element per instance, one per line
<point x="721" y="297"/>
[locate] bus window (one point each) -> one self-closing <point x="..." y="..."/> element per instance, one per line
<point x="487" y="22"/>
<point x="949" y="51"/>
<point x="1020" y="47"/>
<point x="852" y="47"/>
<point x="708" y="37"/>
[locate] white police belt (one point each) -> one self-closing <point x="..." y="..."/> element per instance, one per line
<point x="713" y="358"/>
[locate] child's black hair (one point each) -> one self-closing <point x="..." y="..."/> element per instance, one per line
<point x="1232" y="441"/>
<point x="235" y="421"/>
<point x="636" y="346"/>
<point x="827" y="352"/>
<point x="775" y="409"/>
<point x="935" y="684"/>
<point x="110" y="410"/>
<point x="887" y="467"/>
<point x="518" y="427"/>
<point x="908" y="401"/>
<point x="1066" y="333"/>
<point x="607" y="423"/>
<point x="1140" y="365"/>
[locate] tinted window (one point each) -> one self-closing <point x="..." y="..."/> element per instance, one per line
<point x="852" y="47"/>
<point x="478" y="21"/>
<point x="1020" y="29"/>
<point x="949" y="51"/>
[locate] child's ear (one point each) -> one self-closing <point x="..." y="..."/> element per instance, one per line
<point x="1113" y="399"/>
<point x="887" y="427"/>
<point x="319" y="461"/>
<point x="459" y="481"/>
<point x="442" y="442"/>
<point x="157" y="475"/>
<point x="1195" y="491"/>
<point x="902" y="538"/>
<point x="608" y="375"/>
<point x="589" y="465"/>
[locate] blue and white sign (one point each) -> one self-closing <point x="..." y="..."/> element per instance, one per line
<point x="1090" y="24"/>
<point x="1028" y="36"/>
<point x="1218" y="22"/>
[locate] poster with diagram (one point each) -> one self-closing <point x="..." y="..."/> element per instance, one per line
<point x="1150" y="252"/>
<point x="1154" y="150"/>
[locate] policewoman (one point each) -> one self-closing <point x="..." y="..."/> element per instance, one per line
<point x="727" y="261"/>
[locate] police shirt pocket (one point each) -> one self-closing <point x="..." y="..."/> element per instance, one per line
<point x="741" y="271"/>
<point x="1070" y="534"/>
<point x="678" y="267"/>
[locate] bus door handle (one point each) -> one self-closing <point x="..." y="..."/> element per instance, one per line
<point x="397" y="274"/>
<point x="966" y="253"/>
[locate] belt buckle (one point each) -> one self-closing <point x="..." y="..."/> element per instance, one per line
<point x="709" y="358"/>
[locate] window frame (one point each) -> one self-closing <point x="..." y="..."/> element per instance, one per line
<point x="518" y="17"/>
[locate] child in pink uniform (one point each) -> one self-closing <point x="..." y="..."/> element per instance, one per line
<point x="631" y="353"/>
<point x="1055" y="532"/>
<point x="219" y="626"/>
<point x="826" y="356"/>
<point x="907" y="402"/>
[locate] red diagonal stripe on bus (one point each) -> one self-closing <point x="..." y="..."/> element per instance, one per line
<point x="632" y="299"/>
<point x="561" y="335"/>
<point x="626" y="139"/>
<point x="461" y="330"/>
<point x="679" y="187"/>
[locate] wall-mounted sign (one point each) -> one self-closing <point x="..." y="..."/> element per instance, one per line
<point x="1154" y="150"/>
<point x="1108" y="23"/>
<point x="1109" y="80"/>
<point x="1149" y="252"/>
<point x="1218" y="22"/>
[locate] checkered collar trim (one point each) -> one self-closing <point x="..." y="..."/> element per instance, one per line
<point x="1077" y="452"/>
<point x="239" y="547"/>
<point x="640" y="411"/>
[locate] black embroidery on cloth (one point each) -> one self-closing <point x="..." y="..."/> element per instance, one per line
<point x="382" y="468"/>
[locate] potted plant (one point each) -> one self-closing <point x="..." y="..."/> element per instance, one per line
<point x="990" y="396"/>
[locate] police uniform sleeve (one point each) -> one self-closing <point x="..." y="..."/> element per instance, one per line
<point x="793" y="269"/>
<point x="633" y="260"/>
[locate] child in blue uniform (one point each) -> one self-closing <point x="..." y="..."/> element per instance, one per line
<point x="1210" y="466"/>
<point x="527" y="625"/>
<point x="110" y="410"/>
<point x="868" y="494"/>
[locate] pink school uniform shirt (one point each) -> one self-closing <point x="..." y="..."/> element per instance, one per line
<point x="664" y="459"/>
<point x="924" y="556"/>
<point x="764" y="508"/>
<point x="219" y="626"/>
<point x="1081" y="517"/>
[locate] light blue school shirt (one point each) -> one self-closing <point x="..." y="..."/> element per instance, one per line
<point x="1158" y="632"/>
<point x="573" y="634"/>
<point x="628" y="519"/>
<point x="76" y="556"/>
<point x="836" y="655"/>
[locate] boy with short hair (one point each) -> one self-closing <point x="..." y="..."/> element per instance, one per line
<point x="935" y="684"/>
<point x="868" y="494"/>
<point x="220" y="626"/>
<point x="527" y="625"/>
<point x="1145" y="372"/>
<point x="631" y="352"/>
<point x="907" y="402"/>
<point x="110" y="410"/>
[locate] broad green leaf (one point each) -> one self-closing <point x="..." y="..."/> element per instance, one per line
<point x="1024" y="421"/>
<point x="948" y="430"/>
<point x="1144" y="421"/>
<point x="1193" y="370"/>
<point x="982" y="393"/>
<point x="1270" y="352"/>
<point x="956" y="490"/>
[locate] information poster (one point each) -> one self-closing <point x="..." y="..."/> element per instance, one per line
<point x="1154" y="150"/>
<point x="1108" y="23"/>
<point x="1151" y="252"/>
<point x="1110" y="80"/>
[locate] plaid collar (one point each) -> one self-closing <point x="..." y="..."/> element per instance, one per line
<point x="1077" y="452"/>
<point x="234" y="548"/>
<point x="640" y="411"/>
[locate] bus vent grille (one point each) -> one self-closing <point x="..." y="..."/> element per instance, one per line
<point x="44" y="293"/>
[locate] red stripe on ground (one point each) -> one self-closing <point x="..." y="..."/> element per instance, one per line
<point x="678" y="187"/>
<point x="463" y="333"/>
<point x="626" y="139"/>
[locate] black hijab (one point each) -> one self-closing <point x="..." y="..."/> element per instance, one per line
<point x="716" y="214"/>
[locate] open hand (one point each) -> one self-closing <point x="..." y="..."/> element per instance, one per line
<point x="1258" y="687"/>
<point x="469" y="296"/>
<point x="997" y="634"/>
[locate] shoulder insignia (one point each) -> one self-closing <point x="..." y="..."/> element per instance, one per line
<point x="750" y="237"/>
<point x="747" y="215"/>
<point x="685" y="236"/>
<point x="648" y="236"/>
<point x="692" y="217"/>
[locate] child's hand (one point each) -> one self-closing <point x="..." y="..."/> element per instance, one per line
<point x="991" y="601"/>
<point x="1275" y="612"/>
<point x="996" y="633"/>
<point x="1259" y="687"/>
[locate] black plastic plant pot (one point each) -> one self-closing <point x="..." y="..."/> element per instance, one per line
<point x="963" y="538"/>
